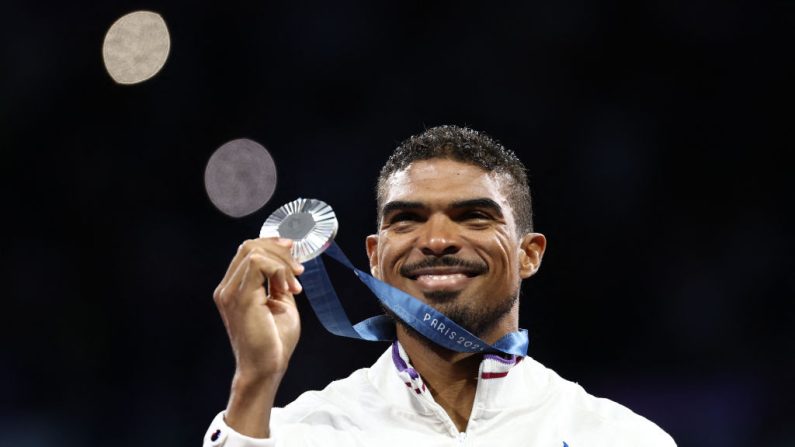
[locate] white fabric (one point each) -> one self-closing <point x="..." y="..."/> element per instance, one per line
<point x="383" y="406"/>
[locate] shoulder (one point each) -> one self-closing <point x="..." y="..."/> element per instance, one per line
<point x="594" y="420"/>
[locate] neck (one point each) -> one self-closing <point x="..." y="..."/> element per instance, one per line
<point x="451" y="377"/>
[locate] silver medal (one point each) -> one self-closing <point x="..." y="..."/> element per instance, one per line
<point x="311" y="223"/>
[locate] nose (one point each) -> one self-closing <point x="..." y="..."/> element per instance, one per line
<point x="440" y="237"/>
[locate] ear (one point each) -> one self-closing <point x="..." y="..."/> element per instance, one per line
<point x="531" y="248"/>
<point x="372" y="254"/>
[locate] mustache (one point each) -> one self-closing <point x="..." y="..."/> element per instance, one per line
<point x="473" y="267"/>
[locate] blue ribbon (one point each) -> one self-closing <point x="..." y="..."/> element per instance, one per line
<point x="423" y="318"/>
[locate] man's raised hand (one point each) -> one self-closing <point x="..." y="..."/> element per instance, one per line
<point x="255" y="300"/>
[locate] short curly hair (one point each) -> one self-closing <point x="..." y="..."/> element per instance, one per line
<point x="467" y="146"/>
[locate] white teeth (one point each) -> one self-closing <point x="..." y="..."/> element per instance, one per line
<point x="442" y="277"/>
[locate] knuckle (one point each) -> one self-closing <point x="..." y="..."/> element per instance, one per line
<point x="276" y="270"/>
<point x="256" y="257"/>
<point x="265" y="259"/>
<point x="247" y="246"/>
<point x="221" y="295"/>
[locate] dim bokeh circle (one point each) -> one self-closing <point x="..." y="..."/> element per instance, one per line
<point x="136" y="47"/>
<point x="240" y="177"/>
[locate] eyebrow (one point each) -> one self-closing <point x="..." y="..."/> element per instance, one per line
<point x="478" y="203"/>
<point x="399" y="205"/>
<point x="483" y="202"/>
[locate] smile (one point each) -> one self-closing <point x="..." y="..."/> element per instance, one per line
<point x="443" y="277"/>
<point x="447" y="281"/>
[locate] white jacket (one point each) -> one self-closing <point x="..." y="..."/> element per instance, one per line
<point x="519" y="402"/>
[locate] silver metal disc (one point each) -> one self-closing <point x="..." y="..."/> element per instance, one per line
<point x="311" y="223"/>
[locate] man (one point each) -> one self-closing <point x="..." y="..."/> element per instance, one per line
<point x="455" y="231"/>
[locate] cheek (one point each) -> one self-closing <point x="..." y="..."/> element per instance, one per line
<point x="390" y="252"/>
<point x="505" y="254"/>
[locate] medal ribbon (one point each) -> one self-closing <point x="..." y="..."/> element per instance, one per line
<point x="423" y="318"/>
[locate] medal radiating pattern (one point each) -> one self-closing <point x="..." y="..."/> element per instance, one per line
<point x="311" y="223"/>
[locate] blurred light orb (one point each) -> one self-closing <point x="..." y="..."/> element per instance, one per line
<point x="240" y="177"/>
<point x="136" y="47"/>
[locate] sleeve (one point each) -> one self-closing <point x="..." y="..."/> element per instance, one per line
<point x="219" y="434"/>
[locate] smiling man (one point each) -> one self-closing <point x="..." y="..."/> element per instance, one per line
<point x="455" y="231"/>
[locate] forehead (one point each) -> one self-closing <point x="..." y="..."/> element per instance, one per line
<point x="443" y="180"/>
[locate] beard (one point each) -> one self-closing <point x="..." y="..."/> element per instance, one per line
<point x="478" y="320"/>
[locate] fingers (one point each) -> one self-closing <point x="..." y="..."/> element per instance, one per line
<point x="260" y="267"/>
<point x="263" y="337"/>
<point x="273" y="247"/>
<point x="256" y="262"/>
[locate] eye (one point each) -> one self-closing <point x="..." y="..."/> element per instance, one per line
<point x="475" y="215"/>
<point x="475" y="219"/>
<point x="405" y="217"/>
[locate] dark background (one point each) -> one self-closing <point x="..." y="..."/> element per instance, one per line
<point x="656" y="135"/>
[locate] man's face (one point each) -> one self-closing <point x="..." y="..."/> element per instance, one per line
<point x="448" y="236"/>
